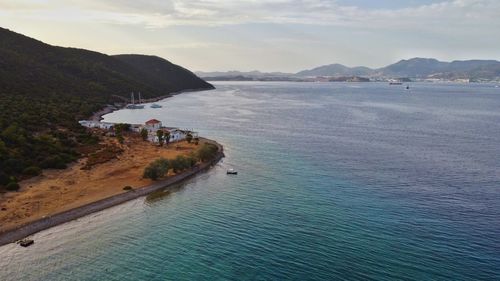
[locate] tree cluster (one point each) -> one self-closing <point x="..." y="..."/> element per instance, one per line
<point x="159" y="168"/>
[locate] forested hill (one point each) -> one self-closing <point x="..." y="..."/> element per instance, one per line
<point x="45" y="90"/>
<point x="156" y="69"/>
<point x="28" y="65"/>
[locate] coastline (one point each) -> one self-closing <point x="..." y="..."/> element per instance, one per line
<point x="17" y="233"/>
<point x="97" y="116"/>
<point x="21" y="232"/>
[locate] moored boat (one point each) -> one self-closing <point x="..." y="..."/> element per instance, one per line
<point x="232" y="172"/>
<point x="133" y="105"/>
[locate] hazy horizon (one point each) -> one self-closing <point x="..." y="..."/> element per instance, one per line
<point x="271" y="35"/>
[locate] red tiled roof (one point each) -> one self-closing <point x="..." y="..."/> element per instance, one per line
<point x="153" y="121"/>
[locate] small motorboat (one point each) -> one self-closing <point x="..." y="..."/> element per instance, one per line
<point x="26" y="242"/>
<point x="232" y="172"/>
<point x="154" y="105"/>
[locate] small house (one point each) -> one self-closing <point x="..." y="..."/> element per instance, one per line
<point x="153" y="125"/>
<point x="177" y="135"/>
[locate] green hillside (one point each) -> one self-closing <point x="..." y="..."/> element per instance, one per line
<point x="45" y="90"/>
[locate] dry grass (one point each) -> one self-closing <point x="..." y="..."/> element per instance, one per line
<point x="105" y="174"/>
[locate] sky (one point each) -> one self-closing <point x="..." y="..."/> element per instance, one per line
<point x="266" y="35"/>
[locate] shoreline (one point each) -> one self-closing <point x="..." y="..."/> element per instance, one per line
<point x="97" y="116"/>
<point x="13" y="235"/>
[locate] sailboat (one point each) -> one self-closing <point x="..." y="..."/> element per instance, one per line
<point x="133" y="105"/>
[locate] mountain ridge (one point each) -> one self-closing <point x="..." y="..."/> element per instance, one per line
<point x="416" y="68"/>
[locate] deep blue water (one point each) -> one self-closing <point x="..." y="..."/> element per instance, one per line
<point x="336" y="181"/>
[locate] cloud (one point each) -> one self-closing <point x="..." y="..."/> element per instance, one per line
<point x="165" y="13"/>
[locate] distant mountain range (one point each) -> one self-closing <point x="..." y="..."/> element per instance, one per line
<point x="336" y="70"/>
<point x="416" y="68"/>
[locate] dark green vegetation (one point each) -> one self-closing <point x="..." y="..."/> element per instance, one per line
<point x="119" y="130"/>
<point x="160" y="134"/>
<point x="159" y="168"/>
<point x="45" y="90"/>
<point x="144" y="134"/>
<point x="181" y="163"/>
<point x="189" y="137"/>
<point x="207" y="152"/>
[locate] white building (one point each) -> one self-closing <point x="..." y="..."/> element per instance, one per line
<point x="177" y="135"/>
<point x="153" y="125"/>
<point x="95" y="124"/>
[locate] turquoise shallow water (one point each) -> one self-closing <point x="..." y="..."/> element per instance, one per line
<point x="337" y="181"/>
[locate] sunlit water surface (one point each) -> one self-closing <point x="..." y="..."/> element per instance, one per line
<point x="336" y="181"/>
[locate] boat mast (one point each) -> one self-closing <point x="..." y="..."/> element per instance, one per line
<point x="132" y="97"/>
<point x="140" y="100"/>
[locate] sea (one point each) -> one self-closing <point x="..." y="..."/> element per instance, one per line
<point x="336" y="181"/>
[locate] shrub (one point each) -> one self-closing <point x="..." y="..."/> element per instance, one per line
<point x="160" y="135"/>
<point x="32" y="171"/>
<point x="156" y="169"/>
<point x="121" y="127"/>
<point x="144" y="134"/>
<point x="4" y="179"/>
<point x="180" y="163"/>
<point x="207" y="152"/>
<point x="192" y="160"/>
<point x="54" y="162"/>
<point x="120" y="139"/>
<point x="162" y="164"/>
<point x="14" y="165"/>
<point x="151" y="172"/>
<point x="12" y="186"/>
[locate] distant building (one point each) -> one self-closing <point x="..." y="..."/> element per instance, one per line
<point x="177" y="135"/>
<point x="95" y="124"/>
<point x="136" y="127"/>
<point x="153" y="125"/>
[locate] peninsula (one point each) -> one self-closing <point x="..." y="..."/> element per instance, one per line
<point x="53" y="168"/>
<point x="112" y="175"/>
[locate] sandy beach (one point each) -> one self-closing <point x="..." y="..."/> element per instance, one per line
<point x="59" y="191"/>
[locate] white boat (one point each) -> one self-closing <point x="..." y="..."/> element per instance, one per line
<point x="232" y="172"/>
<point x="133" y="105"/>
